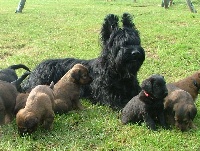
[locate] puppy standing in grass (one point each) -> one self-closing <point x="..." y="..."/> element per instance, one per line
<point x="148" y="104"/>
<point x="67" y="89"/>
<point x="180" y="109"/>
<point x="38" y="110"/>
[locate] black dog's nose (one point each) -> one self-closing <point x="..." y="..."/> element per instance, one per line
<point x="135" y="52"/>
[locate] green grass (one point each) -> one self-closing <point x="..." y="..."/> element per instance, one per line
<point x="70" y="28"/>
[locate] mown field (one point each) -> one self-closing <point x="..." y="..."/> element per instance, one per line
<point x="70" y="28"/>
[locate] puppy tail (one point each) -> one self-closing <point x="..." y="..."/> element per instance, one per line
<point x="127" y="21"/>
<point x="14" y="67"/>
<point x="110" y="23"/>
<point x="17" y="82"/>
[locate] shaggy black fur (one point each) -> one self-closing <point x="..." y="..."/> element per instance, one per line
<point x="148" y="105"/>
<point x="114" y="72"/>
<point x="17" y="83"/>
<point x="9" y="73"/>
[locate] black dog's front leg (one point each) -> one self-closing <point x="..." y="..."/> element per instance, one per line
<point x="161" y="119"/>
<point x="149" y="122"/>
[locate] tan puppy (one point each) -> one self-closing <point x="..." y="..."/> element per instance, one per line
<point x="179" y="108"/>
<point x="38" y="110"/>
<point x="67" y="89"/>
<point x="190" y="84"/>
<point x="8" y="94"/>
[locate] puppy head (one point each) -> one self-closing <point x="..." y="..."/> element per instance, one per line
<point x="27" y="122"/>
<point x="184" y="115"/>
<point x="155" y="86"/>
<point x="80" y="74"/>
<point x="196" y="81"/>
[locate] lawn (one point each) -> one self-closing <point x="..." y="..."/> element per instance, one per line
<point x="70" y="28"/>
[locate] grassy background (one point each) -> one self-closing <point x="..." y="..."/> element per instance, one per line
<point x="70" y="28"/>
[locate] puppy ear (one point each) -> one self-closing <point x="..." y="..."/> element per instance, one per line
<point x="175" y="108"/>
<point x="147" y="85"/>
<point x="192" y="111"/>
<point x="198" y="75"/>
<point x="76" y="74"/>
<point x="31" y="121"/>
<point x="110" y="23"/>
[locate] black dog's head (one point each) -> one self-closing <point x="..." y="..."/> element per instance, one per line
<point x="121" y="46"/>
<point x="155" y="87"/>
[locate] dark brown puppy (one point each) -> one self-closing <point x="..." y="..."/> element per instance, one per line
<point x="67" y="89"/>
<point x="8" y="94"/>
<point x="20" y="102"/>
<point x="179" y="108"/>
<point x="191" y="84"/>
<point x="148" y="105"/>
<point x="38" y="110"/>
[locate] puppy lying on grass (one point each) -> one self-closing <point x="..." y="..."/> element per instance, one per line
<point x="148" y="104"/>
<point x="38" y="110"/>
<point x="180" y="109"/>
<point x="190" y="84"/>
<point x="67" y="89"/>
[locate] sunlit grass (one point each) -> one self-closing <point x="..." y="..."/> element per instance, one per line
<point x="68" y="28"/>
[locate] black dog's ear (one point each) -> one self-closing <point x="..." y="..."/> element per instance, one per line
<point x="147" y="85"/>
<point x="110" y="23"/>
<point x="76" y="75"/>
<point x="127" y="21"/>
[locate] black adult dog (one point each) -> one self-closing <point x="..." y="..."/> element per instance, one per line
<point x="114" y="72"/>
<point x="148" y="105"/>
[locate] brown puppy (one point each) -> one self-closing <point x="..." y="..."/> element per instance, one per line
<point x="190" y="84"/>
<point x="38" y="110"/>
<point x="20" y="102"/>
<point x="8" y="94"/>
<point x="67" y="89"/>
<point x="179" y="108"/>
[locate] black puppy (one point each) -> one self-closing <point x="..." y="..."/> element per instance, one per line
<point x="114" y="72"/>
<point x="9" y="73"/>
<point x="148" y="105"/>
